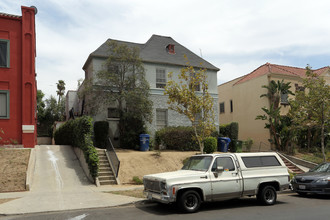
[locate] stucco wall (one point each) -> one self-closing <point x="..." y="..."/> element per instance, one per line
<point x="150" y="69"/>
<point x="247" y="105"/>
<point x="225" y="94"/>
<point x="174" y="118"/>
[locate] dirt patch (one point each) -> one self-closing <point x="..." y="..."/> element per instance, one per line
<point x="137" y="193"/>
<point x="13" y="166"/>
<point x="140" y="163"/>
<point x="6" y="200"/>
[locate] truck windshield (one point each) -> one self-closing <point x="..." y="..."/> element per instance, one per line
<point x="198" y="163"/>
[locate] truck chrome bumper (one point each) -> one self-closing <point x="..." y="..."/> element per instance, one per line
<point x="159" y="197"/>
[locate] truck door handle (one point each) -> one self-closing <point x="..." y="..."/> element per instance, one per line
<point x="203" y="177"/>
<point x="234" y="174"/>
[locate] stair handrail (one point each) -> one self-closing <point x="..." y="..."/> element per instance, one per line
<point x="114" y="160"/>
<point x="282" y="156"/>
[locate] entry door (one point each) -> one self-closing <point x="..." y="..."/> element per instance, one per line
<point x="226" y="184"/>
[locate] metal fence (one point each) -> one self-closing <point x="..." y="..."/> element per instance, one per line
<point x="115" y="162"/>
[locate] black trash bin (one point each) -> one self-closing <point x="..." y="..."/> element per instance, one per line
<point x="223" y="143"/>
<point x="144" y="142"/>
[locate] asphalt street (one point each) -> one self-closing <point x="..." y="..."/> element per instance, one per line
<point x="289" y="206"/>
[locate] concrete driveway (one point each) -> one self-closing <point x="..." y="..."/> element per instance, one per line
<point x="59" y="183"/>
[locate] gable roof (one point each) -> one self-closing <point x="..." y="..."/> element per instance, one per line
<point x="279" y="69"/>
<point x="154" y="51"/>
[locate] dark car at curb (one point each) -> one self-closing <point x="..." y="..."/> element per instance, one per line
<point x="315" y="181"/>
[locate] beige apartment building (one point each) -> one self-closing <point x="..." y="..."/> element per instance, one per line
<point x="239" y="99"/>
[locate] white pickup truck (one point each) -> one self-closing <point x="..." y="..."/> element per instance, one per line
<point x="216" y="177"/>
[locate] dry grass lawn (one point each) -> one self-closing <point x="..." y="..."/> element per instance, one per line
<point x="140" y="163"/>
<point x="13" y="166"/>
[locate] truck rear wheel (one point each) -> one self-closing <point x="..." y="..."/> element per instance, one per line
<point x="267" y="195"/>
<point x="189" y="201"/>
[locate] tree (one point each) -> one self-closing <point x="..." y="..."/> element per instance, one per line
<point x="40" y="104"/>
<point x="121" y="83"/>
<point x="60" y="89"/>
<point x="311" y="108"/>
<point x="277" y="124"/>
<point x="184" y="97"/>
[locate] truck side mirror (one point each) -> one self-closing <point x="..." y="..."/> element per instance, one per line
<point x="219" y="169"/>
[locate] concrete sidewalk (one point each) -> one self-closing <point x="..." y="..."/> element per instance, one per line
<point x="59" y="183"/>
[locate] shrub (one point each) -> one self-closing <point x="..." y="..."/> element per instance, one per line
<point x="224" y="130"/>
<point x="132" y="128"/>
<point x="101" y="133"/>
<point x="231" y="131"/>
<point x="210" y="145"/>
<point x="78" y="133"/>
<point x="137" y="180"/>
<point x="248" y="144"/>
<point x="177" y="138"/>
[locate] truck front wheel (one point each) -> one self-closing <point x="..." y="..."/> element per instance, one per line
<point x="267" y="195"/>
<point x="189" y="201"/>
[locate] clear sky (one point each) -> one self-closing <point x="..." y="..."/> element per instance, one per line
<point x="236" y="36"/>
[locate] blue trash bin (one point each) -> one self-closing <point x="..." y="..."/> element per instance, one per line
<point x="223" y="143"/>
<point x="144" y="142"/>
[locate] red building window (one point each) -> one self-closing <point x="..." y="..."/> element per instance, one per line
<point x="4" y="104"/>
<point x="4" y="53"/>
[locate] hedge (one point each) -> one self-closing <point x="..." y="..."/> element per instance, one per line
<point x="231" y="131"/>
<point x="210" y="145"/>
<point x="78" y="133"/>
<point x="101" y="133"/>
<point x="177" y="138"/>
<point x="132" y="128"/>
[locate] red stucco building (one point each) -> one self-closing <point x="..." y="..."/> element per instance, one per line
<point x="18" y="78"/>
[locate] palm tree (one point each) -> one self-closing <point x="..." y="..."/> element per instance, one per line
<point x="274" y="92"/>
<point x="60" y="89"/>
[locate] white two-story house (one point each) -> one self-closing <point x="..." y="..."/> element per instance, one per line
<point x="160" y="55"/>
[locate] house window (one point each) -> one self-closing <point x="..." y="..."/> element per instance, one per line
<point x="161" y="118"/>
<point x="113" y="69"/>
<point x="113" y="113"/>
<point x="197" y="118"/>
<point x="160" y="78"/>
<point x="231" y="106"/>
<point x="222" y="107"/>
<point x="4" y="53"/>
<point x="284" y="99"/>
<point x="170" y="49"/>
<point x="4" y="104"/>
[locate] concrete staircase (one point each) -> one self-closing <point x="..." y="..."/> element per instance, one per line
<point x="106" y="176"/>
<point x="291" y="166"/>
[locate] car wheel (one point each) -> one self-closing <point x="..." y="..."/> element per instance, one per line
<point x="267" y="195"/>
<point x="189" y="201"/>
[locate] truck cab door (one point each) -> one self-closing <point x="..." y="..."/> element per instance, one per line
<point x="226" y="181"/>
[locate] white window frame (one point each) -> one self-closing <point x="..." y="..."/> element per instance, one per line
<point x="161" y="122"/>
<point x="7" y="101"/>
<point x="160" y="78"/>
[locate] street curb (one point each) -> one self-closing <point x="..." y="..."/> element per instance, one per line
<point x="30" y="170"/>
<point x="69" y="210"/>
